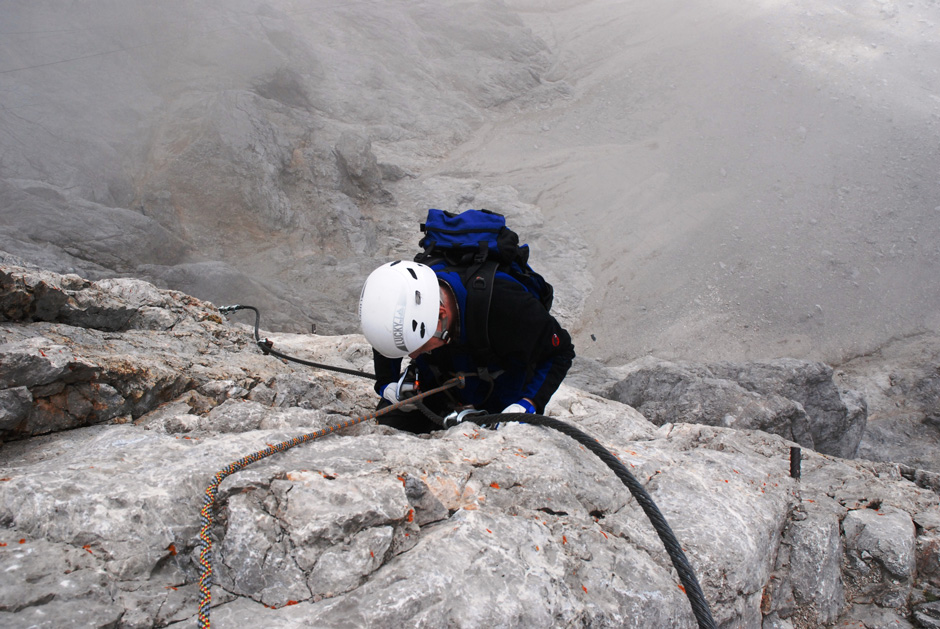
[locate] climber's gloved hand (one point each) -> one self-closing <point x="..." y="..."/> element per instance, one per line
<point x="457" y="417"/>
<point x="522" y="406"/>
<point x="406" y="387"/>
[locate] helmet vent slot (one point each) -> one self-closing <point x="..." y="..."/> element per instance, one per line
<point x="423" y="330"/>
<point x="413" y="274"/>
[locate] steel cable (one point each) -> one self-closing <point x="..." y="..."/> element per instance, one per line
<point x="690" y="584"/>
<point x="268" y="347"/>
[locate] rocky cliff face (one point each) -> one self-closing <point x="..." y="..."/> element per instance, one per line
<point x="795" y="399"/>
<point x="119" y="403"/>
<point x="247" y="154"/>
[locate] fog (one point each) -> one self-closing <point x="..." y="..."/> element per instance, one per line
<point x="754" y="179"/>
<point x="702" y="179"/>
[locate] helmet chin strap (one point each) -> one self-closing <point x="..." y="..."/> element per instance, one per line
<point x="444" y="324"/>
<point x="444" y="332"/>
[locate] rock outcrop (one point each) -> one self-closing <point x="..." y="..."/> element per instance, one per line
<point x="122" y="401"/>
<point x="901" y="383"/>
<point x="795" y="399"/>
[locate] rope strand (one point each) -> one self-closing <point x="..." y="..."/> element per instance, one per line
<point x="208" y="502"/>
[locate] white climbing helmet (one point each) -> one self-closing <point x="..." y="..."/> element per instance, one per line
<point x="399" y="307"/>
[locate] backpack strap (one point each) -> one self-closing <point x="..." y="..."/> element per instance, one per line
<point x="479" y="285"/>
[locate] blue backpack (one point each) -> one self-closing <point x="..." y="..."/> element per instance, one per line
<point x="476" y="244"/>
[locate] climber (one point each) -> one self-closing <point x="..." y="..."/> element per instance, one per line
<point x="411" y="309"/>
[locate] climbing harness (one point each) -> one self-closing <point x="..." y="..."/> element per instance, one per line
<point x="680" y="562"/>
<point x="208" y="503"/>
<point x="268" y="347"/>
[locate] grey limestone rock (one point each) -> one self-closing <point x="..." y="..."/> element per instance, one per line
<point x="880" y="548"/>
<point x="837" y="417"/>
<point x="772" y="621"/>
<point x="236" y="164"/>
<point x="797" y="400"/>
<point x="808" y="582"/>
<point x="98" y="376"/>
<point x="368" y="526"/>
<point x="928" y="615"/>
<point x="668" y="392"/>
<point x="358" y="165"/>
<point x="15" y="403"/>
<point x="873" y="617"/>
<point x="901" y="383"/>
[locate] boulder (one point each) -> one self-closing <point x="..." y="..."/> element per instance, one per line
<point x="880" y="547"/>
<point x="808" y="579"/>
<point x="837" y="416"/>
<point x="794" y="399"/>
<point x="901" y="383"/>
<point x="358" y="165"/>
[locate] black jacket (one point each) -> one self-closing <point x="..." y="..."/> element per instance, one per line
<point x="532" y="352"/>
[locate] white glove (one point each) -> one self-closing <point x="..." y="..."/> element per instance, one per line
<point x="396" y="392"/>
<point x="522" y="406"/>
